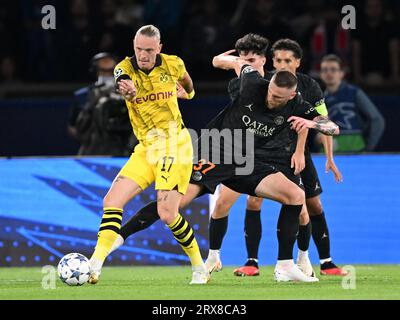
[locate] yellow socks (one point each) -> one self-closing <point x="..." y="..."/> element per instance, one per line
<point x="108" y="232"/>
<point x="184" y="234"/>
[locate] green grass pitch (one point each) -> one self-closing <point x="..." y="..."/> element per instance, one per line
<point x="165" y="283"/>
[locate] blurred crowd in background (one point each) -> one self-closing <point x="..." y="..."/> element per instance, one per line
<point x="196" y="30"/>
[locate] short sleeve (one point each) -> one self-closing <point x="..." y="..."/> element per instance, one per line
<point x="121" y="71"/>
<point x="181" y="68"/>
<point x="315" y="97"/>
<point x="305" y="109"/>
<point x="251" y="84"/>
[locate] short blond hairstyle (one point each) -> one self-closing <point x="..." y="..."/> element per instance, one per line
<point x="149" y="31"/>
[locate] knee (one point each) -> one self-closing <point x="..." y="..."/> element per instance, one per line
<point x="166" y="213"/>
<point x="109" y="201"/>
<point x="221" y="208"/>
<point x="314" y="206"/>
<point x="295" y="196"/>
<point x="254" y="203"/>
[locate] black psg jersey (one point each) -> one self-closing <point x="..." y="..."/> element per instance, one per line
<point x="248" y="112"/>
<point x="307" y="87"/>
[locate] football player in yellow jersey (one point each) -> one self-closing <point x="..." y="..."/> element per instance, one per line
<point x="148" y="81"/>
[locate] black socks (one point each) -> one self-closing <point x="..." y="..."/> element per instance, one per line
<point x="288" y="226"/>
<point x="320" y="235"/>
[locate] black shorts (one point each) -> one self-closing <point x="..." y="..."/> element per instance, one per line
<point x="209" y="176"/>
<point x="289" y="173"/>
<point x="309" y="177"/>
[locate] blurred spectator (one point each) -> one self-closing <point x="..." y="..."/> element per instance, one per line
<point x="166" y="16"/>
<point x="327" y="36"/>
<point x="361" y="124"/>
<point x="39" y="55"/>
<point x="77" y="42"/>
<point x="10" y="29"/>
<point x="304" y="17"/>
<point x="261" y="17"/>
<point x="207" y="35"/>
<point x="99" y="118"/>
<point x="8" y="71"/>
<point x="375" y="46"/>
<point x="130" y="13"/>
<point x="114" y="36"/>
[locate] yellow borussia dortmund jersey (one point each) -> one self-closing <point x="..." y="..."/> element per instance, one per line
<point x="155" y="106"/>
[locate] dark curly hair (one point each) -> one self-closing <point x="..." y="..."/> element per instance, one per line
<point x="288" y="45"/>
<point x="252" y="43"/>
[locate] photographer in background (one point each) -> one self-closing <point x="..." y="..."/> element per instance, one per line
<point x="99" y="118"/>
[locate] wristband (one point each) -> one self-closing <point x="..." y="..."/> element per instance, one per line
<point x="191" y="95"/>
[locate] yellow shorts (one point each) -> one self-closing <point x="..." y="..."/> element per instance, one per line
<point x="169" y="166"/>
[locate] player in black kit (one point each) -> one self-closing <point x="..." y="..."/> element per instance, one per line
<point x="287" y="55"/>
<point x="266" y="120"/>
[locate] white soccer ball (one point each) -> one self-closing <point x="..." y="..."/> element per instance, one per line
<point x="74" y="269"/>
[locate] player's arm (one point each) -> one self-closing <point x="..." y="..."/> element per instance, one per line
<point x="124" y="82"/>
<point x="226" y="61"/>
<point x="315" y="96"/>
<point x="184" y="87"/>
<point x="320" y="123"/>
<point x="327" y="142"/>
<point x="298" y="161"/>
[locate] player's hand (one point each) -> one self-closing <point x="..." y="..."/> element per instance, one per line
<point x="298" y="162"/>
<point x="127" y="89"/>
<point x="331" y="166"/>
<point x="180" y="92"/>
<point x="300" y="124"/>
<point x="228" y="53"/>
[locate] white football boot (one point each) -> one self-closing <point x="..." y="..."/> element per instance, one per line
<point x="95" y="270"/>
<point x="304" y="263"/>
<point x="200" y="275"/>
<point x="213" y="262"/>
<point x="286" y="270"/>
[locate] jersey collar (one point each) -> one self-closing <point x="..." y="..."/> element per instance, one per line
<point x="136" y="66"/>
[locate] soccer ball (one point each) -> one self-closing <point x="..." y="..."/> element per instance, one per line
<point x="74" y="269"/>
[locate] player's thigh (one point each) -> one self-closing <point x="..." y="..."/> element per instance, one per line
<point x="226" y="199"/>
<point x="278" y="187"/>
<point x="121" y="191"/>
<point x="174" y="169"/>
<point x="192" y="192"/>
<point x="135" y="176"/>
<point x="138" y="168"/>
<point x="254" y="203"/>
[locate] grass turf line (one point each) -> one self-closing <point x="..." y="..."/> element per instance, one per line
<point x="165" y="283"/>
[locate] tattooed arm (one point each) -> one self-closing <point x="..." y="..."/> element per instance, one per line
<point x="320" y="123"/>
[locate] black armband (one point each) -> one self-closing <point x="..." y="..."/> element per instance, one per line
<point x="122" y="77"/>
